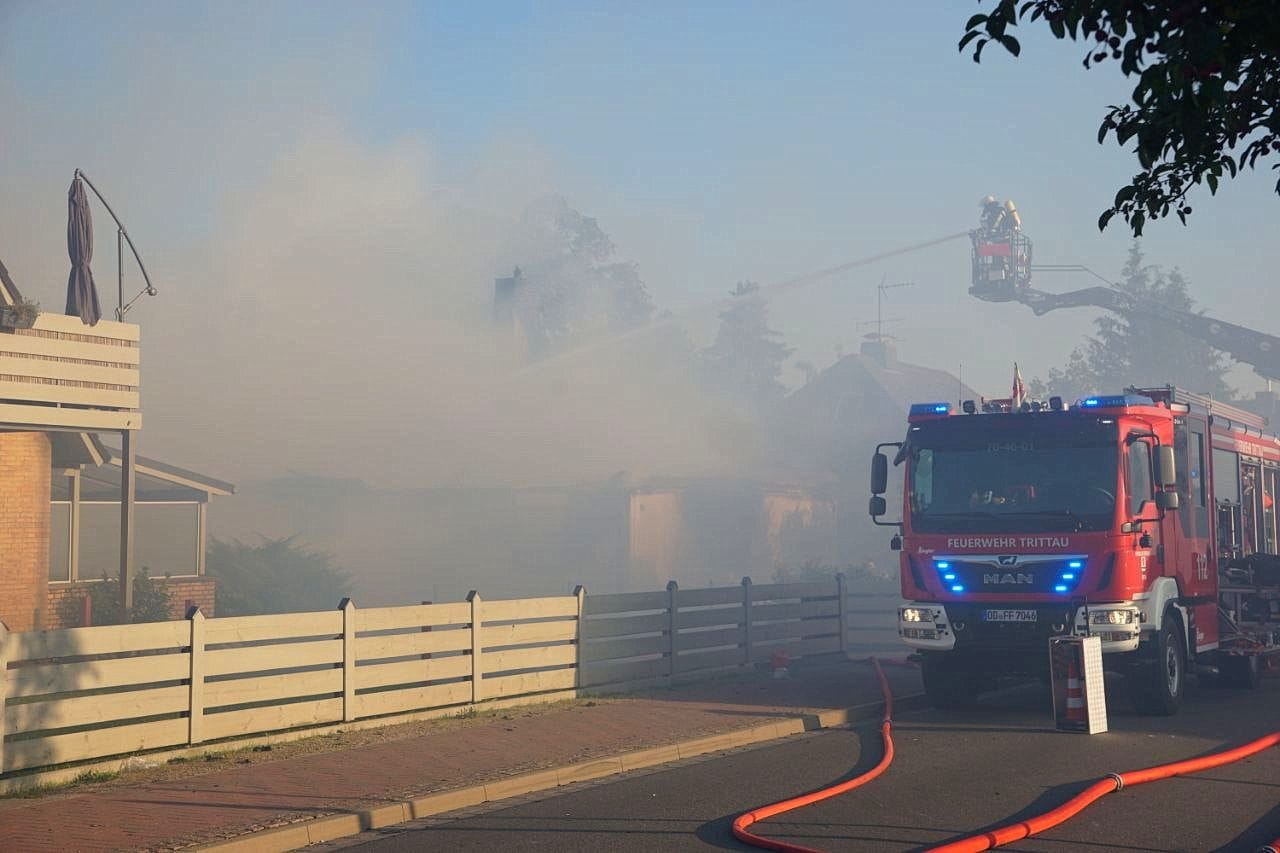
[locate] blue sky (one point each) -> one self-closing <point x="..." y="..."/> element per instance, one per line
<point x="716" y="143"/>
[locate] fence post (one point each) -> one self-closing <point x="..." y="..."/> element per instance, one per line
<point x="348" y="608"/>
<point x="426" y="629"/>
<point x="746" y="620"/>
<point x="673" y="646"/>
<point x="580" y="592"/>
<point x="477" y="691"/>
<point x="4" y="666"/>
<point x="195" y="719"/>
<point x="842" y="590"/>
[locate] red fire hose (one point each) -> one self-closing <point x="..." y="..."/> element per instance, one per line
<point x="1015" y="831"/>
<point x="745" y="820"/>
<point x="1005" y="834"/>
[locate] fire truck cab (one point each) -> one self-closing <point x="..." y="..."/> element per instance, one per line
<point x="1145" y="518"/>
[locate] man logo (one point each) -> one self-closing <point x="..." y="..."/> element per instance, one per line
<point x="1008" y="578"/>
<point x="1011" y="560"/>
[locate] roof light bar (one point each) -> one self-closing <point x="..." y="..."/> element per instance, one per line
<point x="1113" y="401"/>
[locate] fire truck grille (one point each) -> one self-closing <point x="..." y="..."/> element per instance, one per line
<point x="1054" y="574"/>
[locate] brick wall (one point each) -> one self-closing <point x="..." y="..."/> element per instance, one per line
<point x="66" y="605"/>
<point x="198" y="591"/>
<point x="24" y="528"/>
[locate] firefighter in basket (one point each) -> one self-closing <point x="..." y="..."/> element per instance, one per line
<point x="1001" y="252"/>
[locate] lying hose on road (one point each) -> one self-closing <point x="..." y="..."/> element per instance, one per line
<point x="1015" y="831"/>
<point x="745" y="820"/>
<point x="1005" y="834"/>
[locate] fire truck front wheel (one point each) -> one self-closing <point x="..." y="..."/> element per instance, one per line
<point x="949" y="682"/>
<point x="1159" y="678"/>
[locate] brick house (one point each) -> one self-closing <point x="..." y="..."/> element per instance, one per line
<point x="62" y="384"/>
<point x="171" y="530"/>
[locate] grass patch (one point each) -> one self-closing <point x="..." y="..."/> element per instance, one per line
<point x="34" y="792"/>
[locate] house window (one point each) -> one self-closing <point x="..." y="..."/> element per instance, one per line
<point x="60" y="541"/>
<point x="99" y="540"/>
<point x="166" y="539"/>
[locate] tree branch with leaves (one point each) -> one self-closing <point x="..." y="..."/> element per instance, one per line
<point x="1207" y="99"/>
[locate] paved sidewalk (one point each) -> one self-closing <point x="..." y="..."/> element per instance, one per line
<point x="226" y="803"/>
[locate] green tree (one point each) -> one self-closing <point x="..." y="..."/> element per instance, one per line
<point x="1207" y="98"/>
<point x="1140" y="348"/>
<point x="576" y="288"/>
<point x="275" y="576"/>
<point x="746" y="358"/>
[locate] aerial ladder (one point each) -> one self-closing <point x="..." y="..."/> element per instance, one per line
<point x="1002" y="272"/>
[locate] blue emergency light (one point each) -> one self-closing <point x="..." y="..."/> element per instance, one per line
<point x="1116" y="401"/>
<point x="930" y="409"/>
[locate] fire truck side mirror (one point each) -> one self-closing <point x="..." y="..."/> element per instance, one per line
<point x="1166" y="467"/>
<point x="879" y="476"/>
<point x="1168" y="500"/>
<point x="877" y="507"/>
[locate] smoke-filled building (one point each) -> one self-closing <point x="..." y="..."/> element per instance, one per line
<point x="828" y="429"/>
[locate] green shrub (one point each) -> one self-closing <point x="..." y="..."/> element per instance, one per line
<point x="275" y="576"/>
<point x="151" y="601"/>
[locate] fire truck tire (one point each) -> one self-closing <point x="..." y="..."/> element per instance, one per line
<point x="1241" y="672"/>
<point x="1158" y="684"/>
<point x="948" y="684"/>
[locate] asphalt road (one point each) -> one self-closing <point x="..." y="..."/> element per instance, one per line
<point x="955" y="773"/>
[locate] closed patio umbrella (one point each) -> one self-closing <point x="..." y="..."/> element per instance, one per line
<point x="82" y="295"/>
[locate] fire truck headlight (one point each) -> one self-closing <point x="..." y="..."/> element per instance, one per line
<point x="915" y="614"/>
<point x="1112" y="617"/>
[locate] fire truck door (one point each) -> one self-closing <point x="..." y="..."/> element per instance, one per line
<point x="1193" y="535"/>
<point x="1140" y="488"/>
<point x="1188" y="537"/>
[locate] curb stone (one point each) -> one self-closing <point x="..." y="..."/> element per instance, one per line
<point x="332" y="827"/>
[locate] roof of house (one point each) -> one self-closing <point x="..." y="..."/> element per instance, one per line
<point x="860" y="399"/>
<point x="876" y="372"/>
<point x="100" y="474"/>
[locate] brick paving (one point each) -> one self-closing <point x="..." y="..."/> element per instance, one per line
<point x="226" y="803"/>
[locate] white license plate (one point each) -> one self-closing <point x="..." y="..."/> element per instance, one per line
<point x="1008" y="616"/>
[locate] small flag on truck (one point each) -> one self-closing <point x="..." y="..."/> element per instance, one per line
<point x="1019" y="388"/>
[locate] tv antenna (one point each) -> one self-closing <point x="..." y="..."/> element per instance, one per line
<point x="879" y="323"/>
<point x="881" y="290"/>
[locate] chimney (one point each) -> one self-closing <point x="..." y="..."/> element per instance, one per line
<point x="505" y="293"/>
<point x="878" y="349"/>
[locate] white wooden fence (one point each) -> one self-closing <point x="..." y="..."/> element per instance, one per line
<point x="87" y="693"/>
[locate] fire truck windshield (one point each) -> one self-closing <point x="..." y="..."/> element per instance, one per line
<point x="1012" y="473"/>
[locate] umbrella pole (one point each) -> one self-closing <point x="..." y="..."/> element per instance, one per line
<point x="127" y="489"/>
<point x="119" y="274"/>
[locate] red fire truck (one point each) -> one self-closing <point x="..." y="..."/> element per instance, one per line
<point x="1146" y="518"/>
